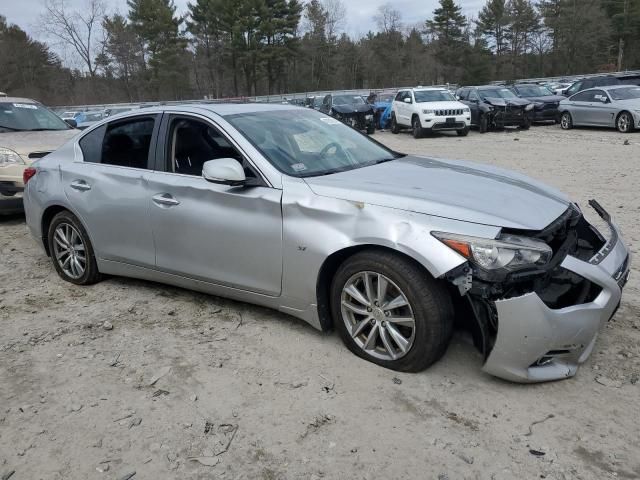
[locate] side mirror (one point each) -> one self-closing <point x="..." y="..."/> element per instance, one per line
<point x="71" y="122"/>
<point x="407" y="100"/>
<point x="225" y="171"/>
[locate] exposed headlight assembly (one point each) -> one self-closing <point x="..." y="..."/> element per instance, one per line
<point x="9" y="158"/>
<point x="507" y="252"/>
<point x="368" y="117"/>
<point x="529" y="107"/>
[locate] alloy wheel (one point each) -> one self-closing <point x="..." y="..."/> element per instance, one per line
<point x="565" y="121"/>
<point x="623" y="123"/>
<point x="378" y="315"/>
<point x="69" y="250"/>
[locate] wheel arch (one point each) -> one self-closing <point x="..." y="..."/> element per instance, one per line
<point x="615" y="125"/>
<point x="49" y="214"/>
<point x="330" y="266"/>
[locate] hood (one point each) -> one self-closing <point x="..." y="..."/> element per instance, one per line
<point x="511" y="102"/>
<point x="358" y="108"/>
<point x="452" y="105"/>
<point x="546" y="98"/>
<point x="24" y="143"/>
<point x="458" y="190"/>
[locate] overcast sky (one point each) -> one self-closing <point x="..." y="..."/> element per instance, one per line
<point x="359" y="21"/>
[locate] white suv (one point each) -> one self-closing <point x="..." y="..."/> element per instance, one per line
<point x="427" y="110"/>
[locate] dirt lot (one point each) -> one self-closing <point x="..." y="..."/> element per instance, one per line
<point x="129" y="376"/>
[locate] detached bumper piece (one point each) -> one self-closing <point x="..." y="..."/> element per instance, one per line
<point x="541" y="325"/>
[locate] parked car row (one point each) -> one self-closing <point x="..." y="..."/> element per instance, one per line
<point x="82" y="119"/>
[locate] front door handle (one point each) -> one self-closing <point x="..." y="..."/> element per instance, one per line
<point x="80" y="185"/>
<point x="165" y="199"/>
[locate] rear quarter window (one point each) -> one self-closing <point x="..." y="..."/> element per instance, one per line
<point x="91" y="145"/>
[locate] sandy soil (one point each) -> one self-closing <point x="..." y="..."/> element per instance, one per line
<point x="188" y="386"/>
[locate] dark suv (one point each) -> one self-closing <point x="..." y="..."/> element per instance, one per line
<point x="494" y="106"/>
<point x="590" y="82"/>
<point x="545" y="102"/>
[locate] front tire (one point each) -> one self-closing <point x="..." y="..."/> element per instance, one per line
<point x="566" y="122"/>
<point x="371" y="129"/>
<point x="526" y="124"/>
<point x="416" y="127"/>
<point x="483" y="124"/>
<point x="624" y="123"/>
<point x="390" y="312"/>
<point x="464" y="132"/>
<point x="71" y="251"/>
<point x="395" y="129"/>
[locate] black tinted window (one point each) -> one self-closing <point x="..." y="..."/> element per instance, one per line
<point x="127" y="143"/>
<point x="582" y="97"/>
<point x="91" y="145"/>
<point x="193" y="142"/>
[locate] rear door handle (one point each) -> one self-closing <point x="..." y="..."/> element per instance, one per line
<point x="165" y="199"/>
<point x="80" y="185"/>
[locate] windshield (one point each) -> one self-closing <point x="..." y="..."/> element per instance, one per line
<point x="496" y="93"/>
<point x="28" y="116"/>
<point x="348" y="100"/>
<point x="625" y="93"/>
<point x="533" y="91"/>
<point x="305" y="143"/>
<point x="424" y="96"/>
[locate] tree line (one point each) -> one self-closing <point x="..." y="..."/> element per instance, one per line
<point x="237" y="48"/>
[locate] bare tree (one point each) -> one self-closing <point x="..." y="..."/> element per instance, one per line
<point x="78" y="30"/>
<point x="336" y="14"/>
<point x="388" y="19"/>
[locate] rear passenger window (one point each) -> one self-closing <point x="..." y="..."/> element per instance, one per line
<point x="123" y="143"/>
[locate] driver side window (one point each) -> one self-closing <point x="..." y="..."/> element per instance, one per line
<point x="473" y="96"/>
<point x="193" y="142"/>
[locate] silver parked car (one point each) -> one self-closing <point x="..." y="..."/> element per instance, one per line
<point x="616" y="107"/>
<point x="291" y="209"/>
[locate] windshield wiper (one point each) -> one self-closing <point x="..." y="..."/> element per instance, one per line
<point x="10" y="128"/>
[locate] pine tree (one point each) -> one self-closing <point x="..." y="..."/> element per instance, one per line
<point x="447" y="27"/>
<point x="493" y="25"/>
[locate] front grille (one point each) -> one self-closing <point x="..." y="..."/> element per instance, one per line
<point x="448" y="113"/>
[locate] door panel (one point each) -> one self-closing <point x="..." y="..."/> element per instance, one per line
<point x="217" y="233"/>
<point x="113" y="204"/>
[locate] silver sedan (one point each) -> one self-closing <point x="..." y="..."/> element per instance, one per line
<point x="288" y="208"/>
<point x="615" y="107"/>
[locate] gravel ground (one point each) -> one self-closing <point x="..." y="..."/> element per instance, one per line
<point x="129" y="376"/>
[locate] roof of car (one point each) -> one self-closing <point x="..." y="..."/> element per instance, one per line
<point x="230" y="108"/>
<point x="16" y="100"/>
<point x="422" y="89"/>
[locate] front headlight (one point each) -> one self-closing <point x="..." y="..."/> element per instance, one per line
<point x="529" y="107"/>
<point x="368" y="117"/>
<point x="9" y="158"/>
<point x="427" y="111"/>
<point x="508" y="252"/>
<point x="466" y="110"/>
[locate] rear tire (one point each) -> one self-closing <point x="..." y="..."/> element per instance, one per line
<point x="624" y="123"/>
<point x="464" y="132"/>
<point x="395" y="129"/>
<point x="423" y="315"/>
<point x="566" y="122"/>
<point x="71" y="251"/>
<point x="416" y="127"/>
<point x="483" y="125"/>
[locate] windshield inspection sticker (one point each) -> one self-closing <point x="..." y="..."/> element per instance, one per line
<point x="330" y="121"/>
<point x="25" y="105"/>
<point x="299" y="167"/>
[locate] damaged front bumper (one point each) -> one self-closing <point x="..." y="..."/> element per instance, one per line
<point x="536" y="342"/>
